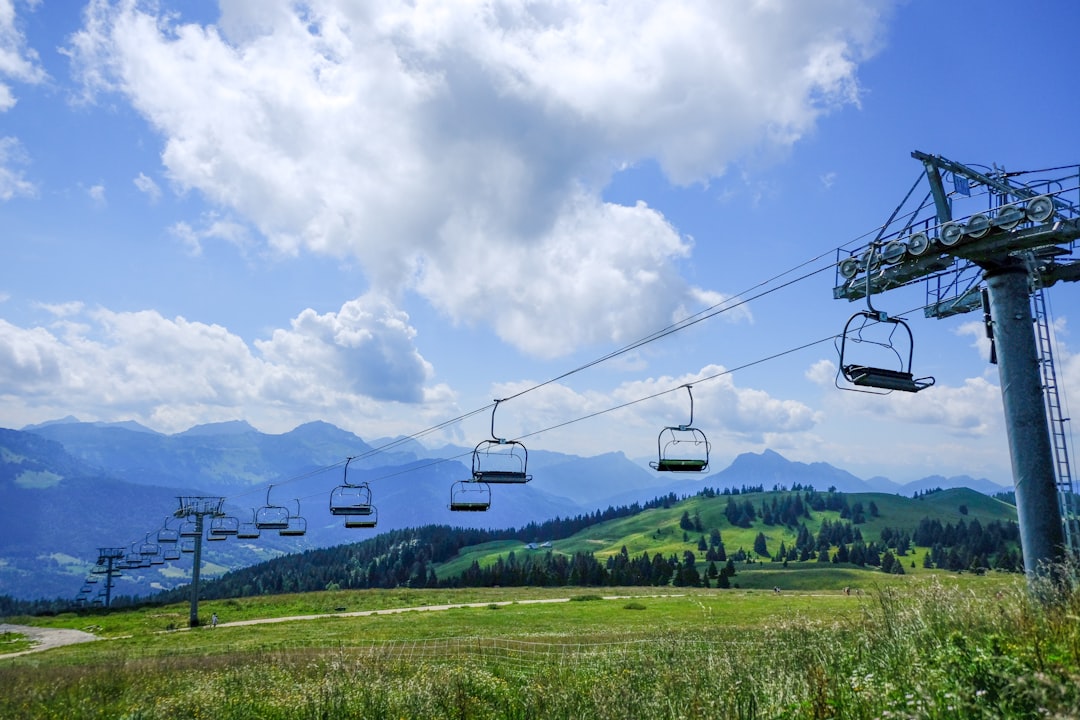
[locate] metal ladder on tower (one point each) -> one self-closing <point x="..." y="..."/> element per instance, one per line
<point x="1068" y="501"/>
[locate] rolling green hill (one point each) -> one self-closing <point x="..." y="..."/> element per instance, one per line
<point x="829" y="541"/>
<point x="659" y="530"/>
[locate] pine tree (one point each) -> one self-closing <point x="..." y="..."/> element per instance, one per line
<point x="760" y="546"/>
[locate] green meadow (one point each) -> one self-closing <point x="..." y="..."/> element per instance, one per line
<point x="657" y="530"/>
<point x="930" y="645"/>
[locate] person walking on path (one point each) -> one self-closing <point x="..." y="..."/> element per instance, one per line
<point x="213" y="621"/>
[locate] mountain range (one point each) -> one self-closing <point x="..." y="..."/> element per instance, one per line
<point x="68" y="488"/>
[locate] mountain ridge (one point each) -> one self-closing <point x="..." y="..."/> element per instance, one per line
<point x="107" y="465"/>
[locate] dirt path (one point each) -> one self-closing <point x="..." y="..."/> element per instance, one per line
<point x="420" y="608"/>
<point x="45" y="638"/>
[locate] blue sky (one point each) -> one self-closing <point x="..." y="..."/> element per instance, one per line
<point x="384" y="215"/>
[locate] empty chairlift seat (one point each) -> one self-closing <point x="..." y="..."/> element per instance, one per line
<point x="470" y="496"/>
<point x="682" y="448"/>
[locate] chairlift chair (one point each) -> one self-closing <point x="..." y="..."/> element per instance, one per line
<point x="171" y="554"/>
<point x="167" y="535"/>
<point x="351" y="499"/>
<point x="272" y="517"/>
<point x="499" y="461"/>
<point x="187" y="546"/>
<point x="133" y="558"/>
<point x="189" y="529"/>
<point x="682" y="448"/>
<point x="877" y="330"/>
<point x="147" y="548"/>
<point x="873" y="378"/>
<point x="157" y="560"/>
<point x="354" y="522"/>
<point x="297" y="525"/>
<point x="470" y="496"/>
<point x="224" y="525"/>
<point x="249" y="530"/>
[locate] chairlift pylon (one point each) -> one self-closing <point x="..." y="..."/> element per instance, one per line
<point x="868" y="378"/>
<point x="470" y="496"/>
<point x="498" y="460"/>
<point x="682" y="448"/>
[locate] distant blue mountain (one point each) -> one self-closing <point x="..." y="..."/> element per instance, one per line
<point x="981" y="485"/>
<point x="68" y="487"/>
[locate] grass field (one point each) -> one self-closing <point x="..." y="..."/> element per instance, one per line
<point x="930" y="645"/>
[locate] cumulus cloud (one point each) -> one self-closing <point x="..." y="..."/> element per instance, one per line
<point x="366" y="348"/>
<point x="173" y="372"/>
<point x="460" y="149"/>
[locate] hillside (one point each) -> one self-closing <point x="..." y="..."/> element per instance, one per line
<point x="614" y="547"/>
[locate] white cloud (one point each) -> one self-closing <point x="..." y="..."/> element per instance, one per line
<point x="172" y="373"/>
<point x="213" y="226"/>
<point x="460" y="149"/>
<point x="17" y="62"/>
<point x="977" y="330"/>
<point x="97" y="195"/>
<point x="822" y="372"/>
<point x="147" y="186"/>
<point x="366" y="348"/>
<point x="12" y="181"/>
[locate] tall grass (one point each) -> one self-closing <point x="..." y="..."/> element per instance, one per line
<point x="922" y="652"/>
